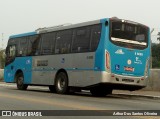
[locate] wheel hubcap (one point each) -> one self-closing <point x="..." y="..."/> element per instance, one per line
<point x="61" y="83"/>
<point x="20" y="80"/>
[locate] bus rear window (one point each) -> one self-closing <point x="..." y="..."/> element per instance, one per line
<point x="123" y="33"/>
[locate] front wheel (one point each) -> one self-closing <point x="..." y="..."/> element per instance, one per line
<point x="20" y="82"/>
<point x="61" y="83"/>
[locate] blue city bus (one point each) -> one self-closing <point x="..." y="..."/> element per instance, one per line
<point x="99" y="56"/>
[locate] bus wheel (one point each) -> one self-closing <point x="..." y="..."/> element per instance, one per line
<point x="19" y="82"/>
<point x="61" y="83"/>
<point x="100" y="91"/>
<point x="52" y="88"/>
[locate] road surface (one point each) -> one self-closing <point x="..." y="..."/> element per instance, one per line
<point x="39" y="98"/>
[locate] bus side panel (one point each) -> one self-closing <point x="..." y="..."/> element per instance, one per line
<point x="43" y="70"/>
<point x="76" y="65"/>
<point x="82" y="65"/>
<point x="20" y="63"/>
<point x="8" y="74"/>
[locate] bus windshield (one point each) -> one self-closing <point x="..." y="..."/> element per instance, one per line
<point x="129" y="34"/>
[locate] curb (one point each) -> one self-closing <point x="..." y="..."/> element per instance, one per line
<point x="137" y="95"/>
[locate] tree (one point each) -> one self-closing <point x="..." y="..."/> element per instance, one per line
<point x="155" y="55"/>
<point x="2" y="59"/>
<point x="158" y="38"/>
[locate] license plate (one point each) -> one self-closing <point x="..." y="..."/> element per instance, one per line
<point x="130" y="69"/>
<point x="128" y="80"/>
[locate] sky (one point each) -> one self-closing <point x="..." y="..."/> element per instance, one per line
<point x="20" y="16"/>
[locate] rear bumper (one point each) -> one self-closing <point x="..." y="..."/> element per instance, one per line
<point x="123" y="82"/>
<point x="114" y="81"/>
<point x="141" y="81"/>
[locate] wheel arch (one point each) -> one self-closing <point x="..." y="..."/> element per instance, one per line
<point x="17" y="72"/>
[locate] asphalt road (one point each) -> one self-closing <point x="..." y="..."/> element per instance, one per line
<point x="39" y="98"/>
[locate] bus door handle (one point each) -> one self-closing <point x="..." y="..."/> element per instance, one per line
<point x="12" y="67"/>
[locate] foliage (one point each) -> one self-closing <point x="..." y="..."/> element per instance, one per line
<point x="155" y="55"/>
<point x="2" y="59"/>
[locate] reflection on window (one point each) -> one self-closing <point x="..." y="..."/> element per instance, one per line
<point x="23" y="47"/>
<point x="128" y="31"/>
<point x="63" y="42"/>
<point x="33" y="48"/>
<point x="140" y="37"/>
<point x="95" y="36"/>
<point x="48" y="41"/>
<point x="81" y="42"/>
<point x="12" y="51"/>
<point x="132" y="34"/>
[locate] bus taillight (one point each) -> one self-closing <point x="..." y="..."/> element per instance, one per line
<point x="107" y="60"/>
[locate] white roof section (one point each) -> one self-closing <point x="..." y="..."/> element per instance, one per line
<point x="66" y="26"/>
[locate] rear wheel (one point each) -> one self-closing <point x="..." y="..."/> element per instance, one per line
<point x="100" y="91"/>
<point x="61" y="83"/>
<point x="20" y="82"/>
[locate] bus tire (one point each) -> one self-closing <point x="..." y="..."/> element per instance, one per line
<point x="61" y="83"/>
<point x="20" y="82"/>
<point x="100" y="91"/>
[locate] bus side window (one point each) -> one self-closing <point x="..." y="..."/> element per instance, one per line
<point x="14" y="43"/>
<point x="47" y="45"/>
<point x="95" y="36"/>
<point x="81" y="41"/>
<point x="34" y="46"/>
<point x="63" y="42"/>
<point x="12" y="51"/>
<point x="23" y="47"/>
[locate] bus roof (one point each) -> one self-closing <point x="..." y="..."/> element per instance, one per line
<point x="57" y="28"/>
<point x="23" y="34"/>
<point x="66" y="26"/>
